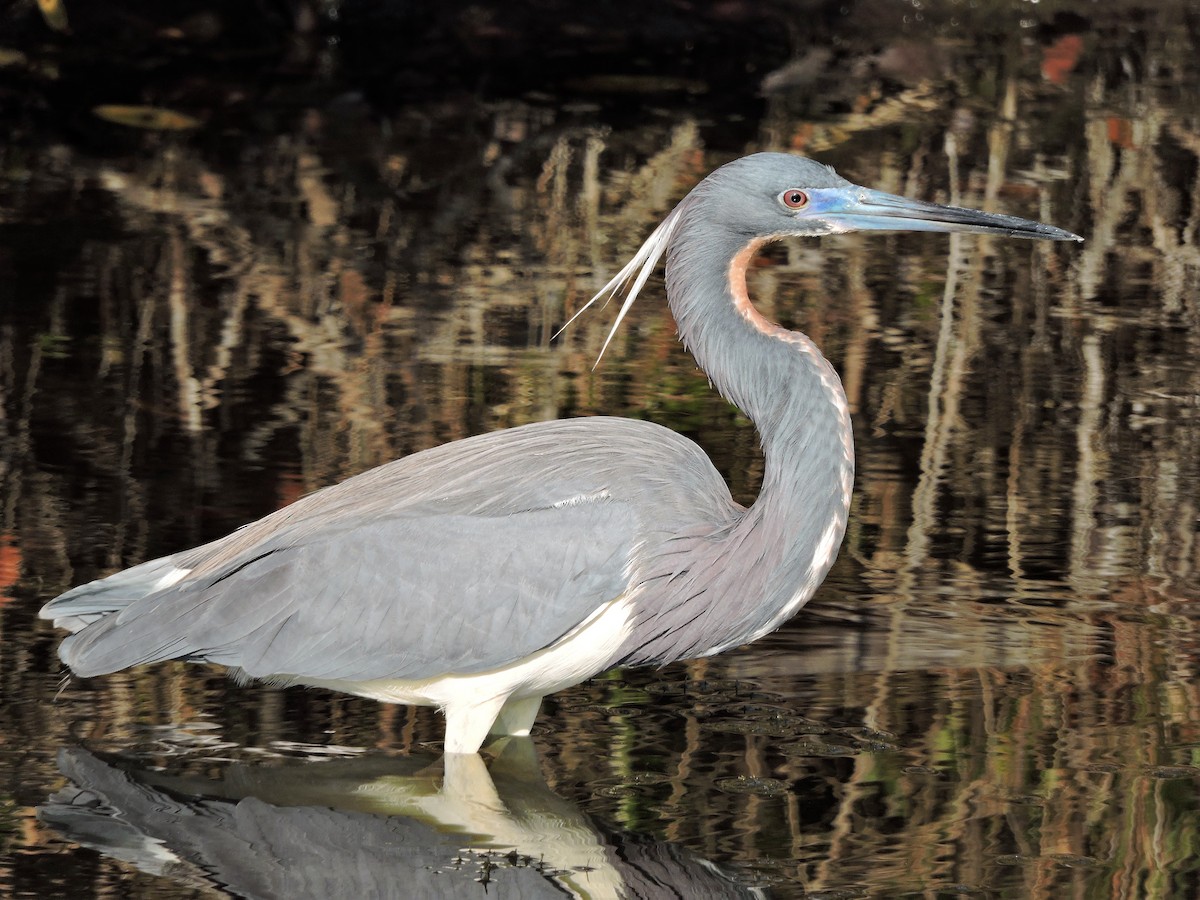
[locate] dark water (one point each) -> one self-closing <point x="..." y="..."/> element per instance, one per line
<point x="352" y="235"/>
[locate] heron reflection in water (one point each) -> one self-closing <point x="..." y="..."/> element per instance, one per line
<point x="484" y="574"/>
<point x="371" y="826"/>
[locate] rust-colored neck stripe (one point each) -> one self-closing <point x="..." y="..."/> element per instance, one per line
<point x="741" y="295"/>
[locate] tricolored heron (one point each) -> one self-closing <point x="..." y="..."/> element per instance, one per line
<point x="481" y="575"/>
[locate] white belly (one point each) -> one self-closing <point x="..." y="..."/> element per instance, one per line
<point x="582" y="653"/>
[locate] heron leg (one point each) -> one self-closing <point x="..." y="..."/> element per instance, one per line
<point x="467" y="724"/>
<point x="466" y="781"/>
<point x="516" y="716"/>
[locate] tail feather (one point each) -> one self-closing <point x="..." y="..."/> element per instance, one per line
<point x="97" y="651"/>
<point x="88" y="603"/>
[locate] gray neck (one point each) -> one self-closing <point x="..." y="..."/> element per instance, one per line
<point x="757" y="573"/>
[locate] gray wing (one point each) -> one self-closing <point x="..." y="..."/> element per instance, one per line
<point x="458" y="559"/>
<point x="410" y="597"/>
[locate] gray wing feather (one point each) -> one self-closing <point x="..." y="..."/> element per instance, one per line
<point x="83" y="605"/>
<point x="406" y="598"/>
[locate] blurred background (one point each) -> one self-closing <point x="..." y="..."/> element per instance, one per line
<point x="249" y="249"/>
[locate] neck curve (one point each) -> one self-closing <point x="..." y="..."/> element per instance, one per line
<point x="777" y="377"/>
<point x="756" y="574"/>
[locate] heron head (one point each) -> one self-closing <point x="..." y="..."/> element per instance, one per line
<point x="774" y="195"/>
<point x="780" y="195"/>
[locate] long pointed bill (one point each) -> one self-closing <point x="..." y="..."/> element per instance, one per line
<point x="861" y="209"/>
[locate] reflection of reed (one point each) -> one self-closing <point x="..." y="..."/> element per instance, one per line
<point x="1127" y="187"/>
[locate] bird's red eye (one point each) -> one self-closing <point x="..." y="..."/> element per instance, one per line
<point x="794" y="199"/>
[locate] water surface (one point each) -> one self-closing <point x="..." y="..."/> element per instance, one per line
<point x="355" y="239"/>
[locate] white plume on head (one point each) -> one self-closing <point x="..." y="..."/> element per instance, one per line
<point x="642" y="263"/>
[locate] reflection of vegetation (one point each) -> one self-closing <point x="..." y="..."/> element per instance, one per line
<point x="201" y="334"/>
<point x="10" y="825"/>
